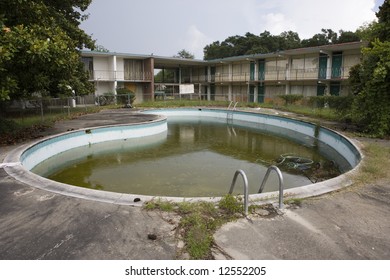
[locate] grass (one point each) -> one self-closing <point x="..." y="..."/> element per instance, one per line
<point x="28" y="125"/>
<point x="199" y="221"/>
<point x="375" y="164"/>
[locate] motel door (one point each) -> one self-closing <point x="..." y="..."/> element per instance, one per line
<point x="251" y="93"/>
<point x="212" y="92"/>
<point x="337" y="60"/>
<point x="212" y="73"/>
<point x="260" y="93"/>
<point x="321" y="89"/>
<point x="335" y="89"/>
<point x="323" y="64"/>
<point x="261" y="64"/>
<point x="252" y="71"/>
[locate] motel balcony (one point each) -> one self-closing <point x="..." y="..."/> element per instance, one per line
<point x="340" y="73"/>
<point x="104" y="75"/>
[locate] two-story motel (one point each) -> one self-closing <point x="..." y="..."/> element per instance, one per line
<point x="250" y="78"/>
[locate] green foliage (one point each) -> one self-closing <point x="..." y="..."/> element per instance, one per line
<point x="341" y="104"/>
<point x="266" y="43"/>
<point x="125" y="96"/>
<point x="184" y="54"/>
<point x="371" y="79"/>
<point x="199" y="221"/>
<point x="198" y="238"/>
<point x="291" y="98"/>
<point x="230" y="205"/>
<point x="39" y="53"/>
<point x="159" y="204"/>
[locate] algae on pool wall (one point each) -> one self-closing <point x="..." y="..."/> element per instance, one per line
<point x="198" y="158"/>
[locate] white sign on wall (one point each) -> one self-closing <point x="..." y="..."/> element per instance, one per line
<point x="187" y="89"/>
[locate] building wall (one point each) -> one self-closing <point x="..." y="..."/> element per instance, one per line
<point x="101" y="67"/>
<point x="351" y="58"/>
<point x="120" y="69"/>
<point x="103" y="87"/>
<point x="304" y="67"/>
<point x="293" y="73"/>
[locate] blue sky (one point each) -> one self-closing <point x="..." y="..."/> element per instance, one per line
<point x="165" y="27"/>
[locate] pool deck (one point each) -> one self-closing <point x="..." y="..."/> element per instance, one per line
<point x="35" y="224"/>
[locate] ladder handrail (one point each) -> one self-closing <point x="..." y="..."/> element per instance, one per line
<point x="234" y="108"/>
<point x="231" y="102"/>
<point x="280" y="176"/>
<point x="246" y="187"/>
<point x="246" y="195"/>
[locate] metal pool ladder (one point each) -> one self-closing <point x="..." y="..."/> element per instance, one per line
<point x="230" y="105"/>
<point x="245" y="179"/>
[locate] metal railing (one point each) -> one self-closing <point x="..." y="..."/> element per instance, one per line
<point x="246" y="185"/>
<point x="280" y="177"/>
<point x="230" y="105"/>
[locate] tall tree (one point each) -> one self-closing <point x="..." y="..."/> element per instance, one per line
<point x="371" y="79"/>
<point x="40" y="47"/>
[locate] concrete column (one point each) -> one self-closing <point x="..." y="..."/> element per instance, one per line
<point x="329" y="66"/>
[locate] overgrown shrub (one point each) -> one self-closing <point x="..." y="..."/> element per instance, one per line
<point x="342" y="104"/>
<point x="125" y="96"/>
<point x="291" y="98"/>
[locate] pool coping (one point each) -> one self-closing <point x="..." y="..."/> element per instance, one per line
<point x="14" y="168"/>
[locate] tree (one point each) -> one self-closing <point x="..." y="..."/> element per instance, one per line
<point x="383" y="30"/>
<point x="100" y="48"/>
<point x="40" y="42"/>
<point x="347" y="36"/>
<point x="371" y="79"/>
<point x="184" y="54"/>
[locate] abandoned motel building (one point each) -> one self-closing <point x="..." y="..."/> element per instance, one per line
<point x="259" y="78"/>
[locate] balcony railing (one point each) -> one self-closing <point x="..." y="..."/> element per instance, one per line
<point x="103" y="75"/>
<point x="271" y="75"/>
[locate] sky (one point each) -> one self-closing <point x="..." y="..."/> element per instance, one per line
<point x="164" y="27"/>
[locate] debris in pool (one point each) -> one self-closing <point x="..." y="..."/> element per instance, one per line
<point x="137" y="199"/>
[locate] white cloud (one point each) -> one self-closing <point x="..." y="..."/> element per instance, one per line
<point x="307" y="17"/>
<point x="277" y="23"/>
<point x="195" y="41"/>
<point x="172" y="25"/>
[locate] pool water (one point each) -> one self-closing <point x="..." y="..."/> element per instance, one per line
<point x="195" y="158"/>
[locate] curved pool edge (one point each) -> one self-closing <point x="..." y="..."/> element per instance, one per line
<point x="15" y="169"/>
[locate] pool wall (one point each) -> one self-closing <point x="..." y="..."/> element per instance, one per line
<point x="61" y="143"/>
<point x="19" y="162"/>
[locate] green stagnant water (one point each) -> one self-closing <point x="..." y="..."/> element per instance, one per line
<point x="194" y="159"/>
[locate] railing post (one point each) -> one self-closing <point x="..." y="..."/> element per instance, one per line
<point x="246" y="195"/>
<point x="280" y="176"/>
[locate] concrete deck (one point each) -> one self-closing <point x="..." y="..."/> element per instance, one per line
<point x="36" y="224"/>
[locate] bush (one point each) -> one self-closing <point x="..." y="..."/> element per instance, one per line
<point x="125" y="96"/>
<point x="291" y="98"/>
<point x="341" y="104"/>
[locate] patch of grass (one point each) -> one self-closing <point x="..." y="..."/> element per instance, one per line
<point x="230" y="204"/>
<point x="322" y="113"/>
<point x="375" y="164"/>
<point x="198" y="235"/>
<point x="26" y="125"/>
<point x="199" y="221"/>
<point x="294" y="201"/>
<point x="159" y="204"/>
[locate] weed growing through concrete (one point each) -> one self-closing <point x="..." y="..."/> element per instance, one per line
<point x="200" y="220"/>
